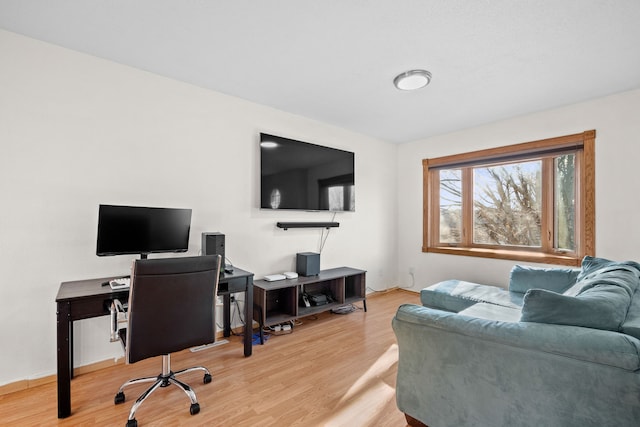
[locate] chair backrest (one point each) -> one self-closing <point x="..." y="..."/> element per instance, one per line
<point x="171" y="305"/>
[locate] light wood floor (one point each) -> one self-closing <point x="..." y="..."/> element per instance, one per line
<point x="333" y="370"/>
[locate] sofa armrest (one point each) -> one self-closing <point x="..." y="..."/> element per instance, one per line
<point x="523" y="278"/>
<point x="590" y="345"/>
<point x="457" y="370"/>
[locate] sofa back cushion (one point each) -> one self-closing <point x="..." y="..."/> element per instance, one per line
<point x="600" y="300"/>
<point x="522" y="278"/>
<point x="631" y="325"/>
<point x="591" y="265"/>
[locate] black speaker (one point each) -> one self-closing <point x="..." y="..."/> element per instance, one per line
<point x="308" y="264"/>
<point x="213" y="244"/>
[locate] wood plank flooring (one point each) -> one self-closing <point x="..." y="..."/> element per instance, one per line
<point x="333" y="370"/>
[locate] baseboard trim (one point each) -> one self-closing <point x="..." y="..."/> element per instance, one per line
<point x="80" y="370"/>
<point x="386" y="291"/>
<point x="13" y="387"/>
<point x="31" y="383"/>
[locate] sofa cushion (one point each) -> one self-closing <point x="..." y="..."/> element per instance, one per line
<point x="631" y="325"/>
<point x="590" y="345"/>
<point x="483" y="310"/>
<point x="592" y="265"/>
<point x="456" y="295"/>
<point x="522" y="278"/>
<point x="601" y="302"/>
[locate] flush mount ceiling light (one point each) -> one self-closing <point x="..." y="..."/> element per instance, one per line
<point x="412" y="80"/>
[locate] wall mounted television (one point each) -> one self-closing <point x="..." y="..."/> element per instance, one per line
<point x="140" y="230"/>
<point x="298" y="175"/>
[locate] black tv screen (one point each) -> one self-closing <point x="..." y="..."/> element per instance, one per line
<point x="142" y="230"/>
<point x="304" y="176"/>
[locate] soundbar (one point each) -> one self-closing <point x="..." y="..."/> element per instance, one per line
<point x="288" y="225"/>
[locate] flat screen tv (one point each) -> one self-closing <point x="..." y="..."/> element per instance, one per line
<point x="142" y="230"/>
<point x="304" y="176"/>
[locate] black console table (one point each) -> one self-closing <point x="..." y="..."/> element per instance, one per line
<point x="84" y="299"/>
<point x="281" y="301"/>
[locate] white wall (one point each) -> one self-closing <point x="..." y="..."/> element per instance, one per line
<point x="77" y="131"/>
<point x="615" y="119"/>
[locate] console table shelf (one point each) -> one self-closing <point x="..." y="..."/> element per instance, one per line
<point x="281" y="301"/>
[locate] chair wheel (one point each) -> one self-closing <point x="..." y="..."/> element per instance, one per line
<point x="119" y="398"/>
<point x="207" y="378"/>
<point x="132" y="423"/>
<point x="194" y="409"/>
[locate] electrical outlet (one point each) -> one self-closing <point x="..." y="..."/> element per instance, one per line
<point x="233" y="298"/>
<point x="411" y="270"/>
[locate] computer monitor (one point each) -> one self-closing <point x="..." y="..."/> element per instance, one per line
<point x="142" y="230"/>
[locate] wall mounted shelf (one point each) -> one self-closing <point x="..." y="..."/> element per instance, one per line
<point x="288" y="225"/>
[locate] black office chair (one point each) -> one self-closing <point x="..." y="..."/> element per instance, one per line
<point x="171" y="308"/>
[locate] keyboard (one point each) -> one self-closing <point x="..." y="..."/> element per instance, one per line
<point x="121" y="283"/>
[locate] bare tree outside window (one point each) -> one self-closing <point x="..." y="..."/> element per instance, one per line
<point x="565" y="203"/>
<point x="506" y="204"/>
<point x="450" y="205"/>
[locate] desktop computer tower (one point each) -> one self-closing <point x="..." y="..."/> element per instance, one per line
<point x="308" y="264"/>
<point x="213" y="244"/>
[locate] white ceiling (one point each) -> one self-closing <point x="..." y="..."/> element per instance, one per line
<point x="334" y="60"/>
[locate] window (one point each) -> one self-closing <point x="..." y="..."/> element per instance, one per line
<point x="529" y="202"/>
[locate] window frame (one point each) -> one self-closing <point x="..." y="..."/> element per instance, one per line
<point x="583" y="144"/>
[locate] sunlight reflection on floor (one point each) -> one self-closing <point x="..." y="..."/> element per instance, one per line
<point x="368" y="395"/>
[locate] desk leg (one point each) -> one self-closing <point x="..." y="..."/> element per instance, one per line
<point x="64" y="325"/>
<point x="71" y="371"/>
<point x="248" y="317"/>
<point x="226" y="314"/>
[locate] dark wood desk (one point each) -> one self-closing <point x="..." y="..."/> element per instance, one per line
<point x="84" y="299"/>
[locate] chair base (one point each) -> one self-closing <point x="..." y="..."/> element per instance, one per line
<point x="165" y="379"/>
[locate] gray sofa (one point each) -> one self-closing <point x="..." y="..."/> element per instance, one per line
<point x="560" y="347"/>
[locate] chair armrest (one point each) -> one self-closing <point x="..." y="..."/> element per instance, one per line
<point x="523" y="278"/>
<point x="591" y="345"/>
